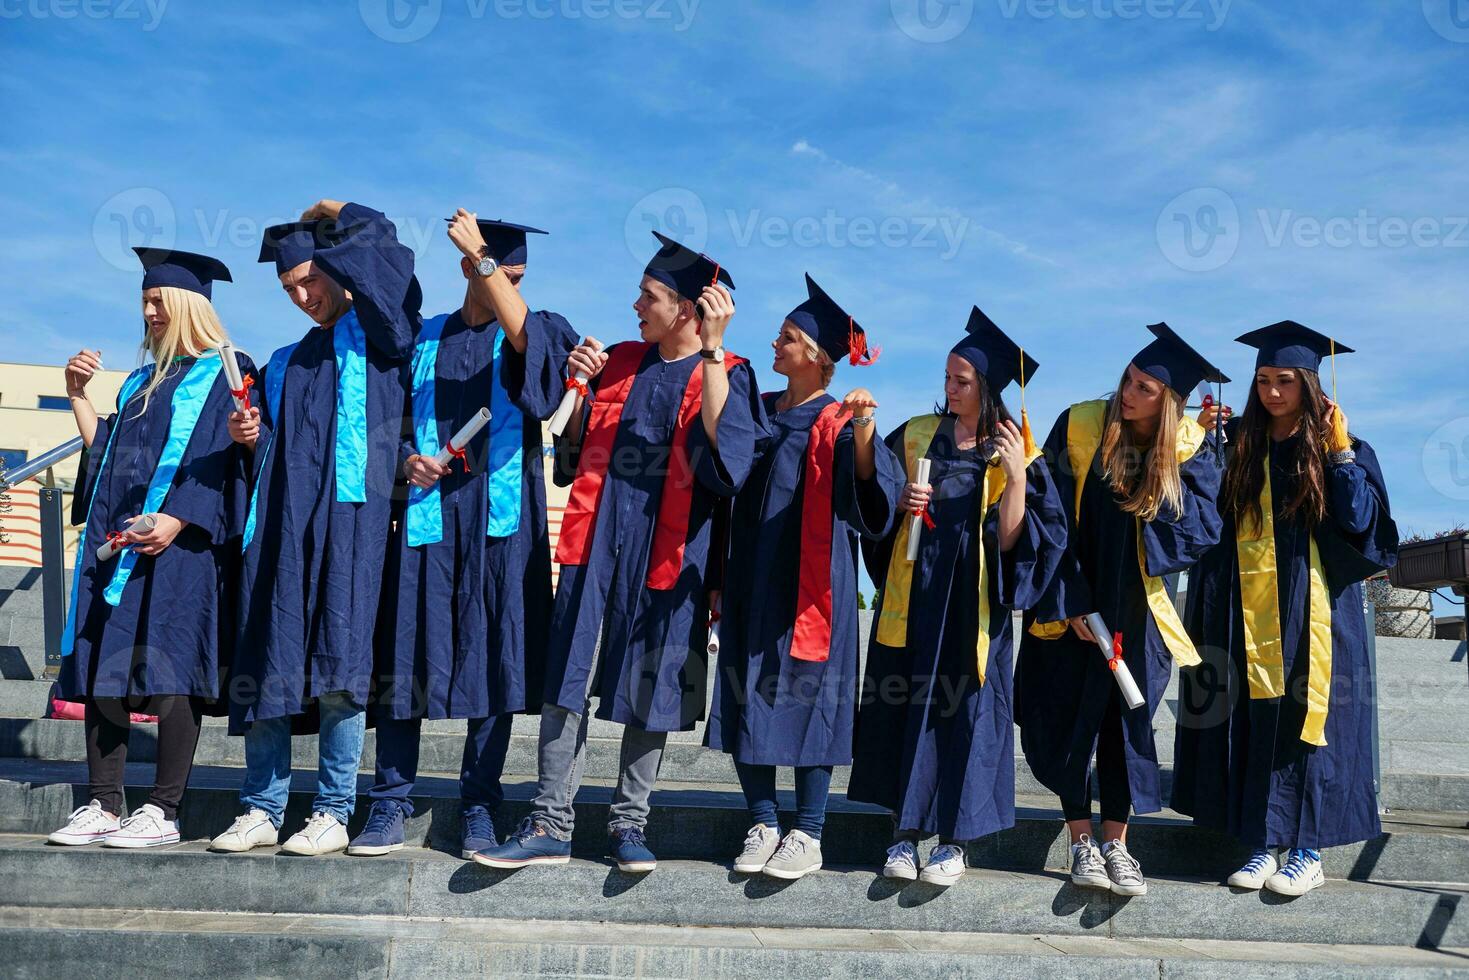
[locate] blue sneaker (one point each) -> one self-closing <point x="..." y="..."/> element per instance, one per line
<point x="630" y="850"/>
<point x="530" y="844"/>
<point x="383" y="833"/>
<point x="478" y="829"/>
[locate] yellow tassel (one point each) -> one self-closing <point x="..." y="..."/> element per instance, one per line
<point x="1338" y="440"/>
<point x="1025" y="433"/>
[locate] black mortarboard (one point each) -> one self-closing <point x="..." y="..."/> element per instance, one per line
<point x="183" y="270"/>
<point x="685" y="271"/>
<point x="1288" y="344"/>
<point x="294" y="242"/>
<point x="831" y="327"/>
<point x="994" y="355"/>
<point x="1172" y="361"/>
<point x="507" y="240"/>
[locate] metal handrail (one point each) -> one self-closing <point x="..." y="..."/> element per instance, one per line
<point x="42" y="462"/>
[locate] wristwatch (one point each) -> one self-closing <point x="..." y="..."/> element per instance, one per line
<point x="487" y="265"/>
<point x="716" y="355"/>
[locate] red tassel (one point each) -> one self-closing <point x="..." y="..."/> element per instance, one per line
<point x="857" y="342"/>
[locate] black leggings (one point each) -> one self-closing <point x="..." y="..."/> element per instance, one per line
<point x="107" y="749"/>
<point x="1111" y="774"/>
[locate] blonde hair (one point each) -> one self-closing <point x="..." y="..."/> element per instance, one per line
<point x="193" y="329"/>
<point x="1123" y="459"/>
<point x="819" y="357"/>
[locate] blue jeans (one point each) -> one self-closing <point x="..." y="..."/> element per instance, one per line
<point x="268" y="761"/>
<point x="813" y="784"/>
<point x="486" y="743"/>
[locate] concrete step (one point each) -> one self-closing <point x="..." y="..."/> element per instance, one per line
<point x="708" y="822"/>
<point x="428" y="884"/>
<point x="686" y="761"/>
<point x="70" y="942"/>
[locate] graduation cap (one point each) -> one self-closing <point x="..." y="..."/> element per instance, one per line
<point x="832" y="327"/>
<point x="1288" y="344"/>
<point x="294" y="242"/>
<point x="1172" y="361"/>
<point x="1000" y="360"/>
<point x="683" y="270"/>
<point x="182" y="270"/>
<point x="507" y="240"/>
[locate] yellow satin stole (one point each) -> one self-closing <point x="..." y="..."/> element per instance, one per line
<point x="892" y="621"/>
<point x="1084" y="427"/>
<point x="1259" y="590"/>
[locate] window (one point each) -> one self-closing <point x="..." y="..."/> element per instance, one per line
<point x="54" y="403"/>
<point x="11" y="458"/>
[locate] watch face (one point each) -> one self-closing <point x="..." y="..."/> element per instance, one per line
<point x="487" y="266"/>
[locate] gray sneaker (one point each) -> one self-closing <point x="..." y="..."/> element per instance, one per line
<point x="761" y="843"/>
<point x="1087" y="867"/>
<point x="1123" y="869"/>
<point x="799" y="855"/>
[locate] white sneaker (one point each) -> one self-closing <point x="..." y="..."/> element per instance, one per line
<point x="944" y="866"/>
<point x="1087" y="868"/>
<point x="1123" y="869"/>
<point x="760" y="844"/>
<point x="799" y="855"/>
<point x="86" y="825"/>
<point x="902" y="862"/>
<point x="145" y="827"/>
<point x="1257" y="870"/>
<point x="252" y="829"/>
<point x="1302" y="873"/>
<point x="322" y="834"/>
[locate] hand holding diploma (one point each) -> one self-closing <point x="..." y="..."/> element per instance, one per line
<point x="1094" y="630"/>
<point x="148" y="534"/>
<point x="586" y="362"/>
<point x="916" y="496"/>
<point x="462" y="438"/>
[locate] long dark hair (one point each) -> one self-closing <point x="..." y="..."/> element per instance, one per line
<point x="1245" y="477"/>
<point x="992" y="410"/>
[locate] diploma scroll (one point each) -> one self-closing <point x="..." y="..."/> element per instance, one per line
<point x="1111" y="647"/>
<point x="714" y="628"/>
<point x="915" y="523"/>
<point x="231" y="366"/>
<point x="568" y="401"/>
<point x="115" y="543"/>
<point x="461" y="438"/>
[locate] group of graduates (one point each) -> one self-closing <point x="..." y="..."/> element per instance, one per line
<point x="297" y="553"/>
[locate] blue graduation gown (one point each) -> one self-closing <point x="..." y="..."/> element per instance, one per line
<point x="1240" y="765"/>
<point x="466" y="619"/>
<point x="1063" y="686"/>
<point x="933" y="745"/>
<point x="313" y="569"/>
<point x="173" y="630"/>
<point x="654" y="661"/>
<point x="770" y="708"/>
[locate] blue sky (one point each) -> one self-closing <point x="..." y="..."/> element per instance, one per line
<point x="1078" y="168"/>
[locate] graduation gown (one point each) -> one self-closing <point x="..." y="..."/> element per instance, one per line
<point x="770" y="708"/>
<point x="1240" y="765"/>
<point x="466" y="619"/>
<point x="653" y="666"/>
<point x="314" y="563"/>
<point x="934" y="745"/>
<point x="173" y="629"/>
<point x="1063" y="685"/>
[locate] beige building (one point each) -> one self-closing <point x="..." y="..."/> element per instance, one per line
<point x="35" y="415"/>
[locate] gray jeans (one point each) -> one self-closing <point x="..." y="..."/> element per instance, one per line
<point x="563" y="745"/>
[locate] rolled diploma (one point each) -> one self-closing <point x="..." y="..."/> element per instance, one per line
<point x="1103" y="636"/>
<point x="568" y="402"/>
<point x="714" y="631"/>
<point x="462" y="437"/>
<point x="232" y="375"/>
<point x="915" y="523"/>
<point x="112" y="546"/>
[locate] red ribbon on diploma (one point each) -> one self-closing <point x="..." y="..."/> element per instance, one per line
<point x="459" y="455"/>
<point x="244" y="393"/>
<point x="578" y="385"/>
<point x="1116" y="659"/>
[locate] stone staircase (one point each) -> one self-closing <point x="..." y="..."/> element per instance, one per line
<point x="1392" y="907"/>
